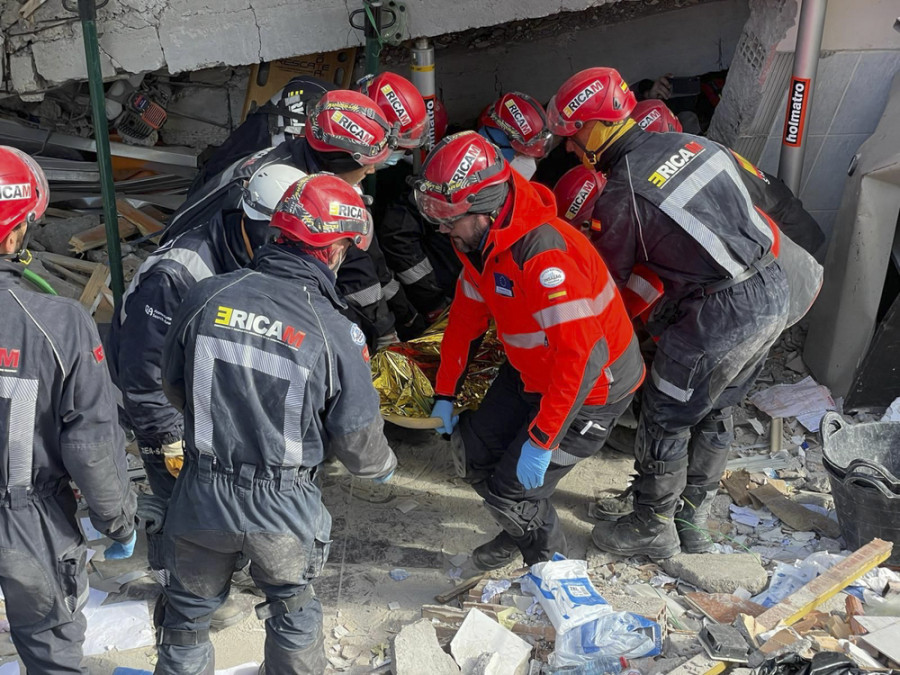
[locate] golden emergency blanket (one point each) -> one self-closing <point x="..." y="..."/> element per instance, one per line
<point x="404" y="373"/>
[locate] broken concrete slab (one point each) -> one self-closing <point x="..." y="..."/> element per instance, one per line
<point x="718" y="573"/>
<point x="416" y="650"/>
<point x="480" y="635"/>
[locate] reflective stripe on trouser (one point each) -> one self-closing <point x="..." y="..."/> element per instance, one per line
<point x="706" y="361"/>
<point x="492" y="437"/>
<point x="43" y="577"/>
<point x="203" y="544"/>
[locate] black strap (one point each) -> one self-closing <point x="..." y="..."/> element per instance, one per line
<point x="658" y="467"/>
<point x="181" y="638"/>
<point x="266" y="610"/>
<point x="751" y="271"/>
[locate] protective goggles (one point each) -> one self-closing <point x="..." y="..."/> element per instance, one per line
<point x="537" y="147"/>
<point x="438" y="211"/>
<point x="558" y="124"/>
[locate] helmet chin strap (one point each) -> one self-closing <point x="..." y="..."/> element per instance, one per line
<point x="602" y="136"/>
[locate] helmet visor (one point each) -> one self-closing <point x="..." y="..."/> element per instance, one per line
<point x="537" y="147"/>
<point x="414" y="136"/>
<point x="558" y="124"/>
<point x="438" y="210"/>
<point x="360" y="230"/>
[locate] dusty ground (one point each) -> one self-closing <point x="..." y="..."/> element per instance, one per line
<point x="372" y="537"/>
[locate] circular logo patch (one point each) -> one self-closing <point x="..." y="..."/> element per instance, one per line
<point x="552" y="277"/>
<point x="357" y="335"/>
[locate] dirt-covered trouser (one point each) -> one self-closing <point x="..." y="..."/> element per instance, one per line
<point x="493" y="436"/>
<point x="706" y="361"/>
<point x="284" y="529"/>
<point x="42" y="574"/>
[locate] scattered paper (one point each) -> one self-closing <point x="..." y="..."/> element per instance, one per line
<point x="494" y="587"/>
<point x="124" y="625"/>
<point x="892" y="414"/>
<point x="662" y="580"/>
<point x="807" y="400"/>
<point x="90" y="532"/>
<point x="406" y="505"/>
<point x="757" y="425"/>
<point x="11" y="668"/>
<point x="455" y="573"/>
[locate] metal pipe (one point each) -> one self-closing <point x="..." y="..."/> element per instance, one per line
<point x="422" y="75"/>
<point x="806" y="60"/>
<point x="372" y="32"/>
<point x="87" y="12"/>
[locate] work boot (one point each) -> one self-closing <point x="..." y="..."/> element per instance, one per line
<point x="497" y="553"/>
<point x="692" y="519"/>
<point x="613" y="507"/>
<point x="230" y="613"/>
<point x="639" y="533"/>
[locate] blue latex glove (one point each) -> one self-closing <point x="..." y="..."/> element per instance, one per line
<point x="119" y="551"/>
<point x="532" y="466"/>
<point x="444" y="409"/>
<point x="383" y="479"/>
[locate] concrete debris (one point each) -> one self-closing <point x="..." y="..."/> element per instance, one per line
<point x="716" y="573"/>
<point x="479" y="636"/>
<point x="416" y="650"/>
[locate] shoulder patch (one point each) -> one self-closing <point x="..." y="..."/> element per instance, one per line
<point x="552" y="277"/>
<point x="357" y="335"/>
<point x="98" y="354"/>
<point x="540" y="239"/>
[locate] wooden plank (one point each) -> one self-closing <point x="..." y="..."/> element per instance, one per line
<point x="723" y="607"/>
<point x="142" y="221"/>
<point x="544" y="632"/>
<point x="74" y="277"/>
<point x="793" y="514"/>
<point x="90" y="296"/>
<point x="802" y="601"/>
<point x="30" y="7"/>
<point x="77" y="264"/>
<point x="735" y="484"/>
<point x="444" y="598"/>
<point x="95" y="237"/>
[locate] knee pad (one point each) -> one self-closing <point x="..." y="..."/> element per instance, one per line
<point x="658" y="451"/>
<point x="295" y="603"/>
<point x="516" y="518"/>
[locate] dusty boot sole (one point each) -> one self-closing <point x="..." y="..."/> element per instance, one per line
<point x="602" y="531"/>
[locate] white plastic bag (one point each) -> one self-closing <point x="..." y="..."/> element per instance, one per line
<point x="565" y="592"/>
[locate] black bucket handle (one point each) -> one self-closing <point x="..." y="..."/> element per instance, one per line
<point x="869" y="481"/>
<point x="832" y="423"/>
<point x="876" y="468"/>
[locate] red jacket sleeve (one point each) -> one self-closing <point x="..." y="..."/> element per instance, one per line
<point x="571" y="315"/>
<point x="469" y="319"/>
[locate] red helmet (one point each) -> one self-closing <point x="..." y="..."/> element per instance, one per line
<point x="593" y="94"/>
<point x="350" y="122"/>
<point x="577" y="192"/>
<point x="524" y="122"/>
<point x="654" y="115"/>
<point x="24" y="192"/>
<point x="464" y="173"/>
<point x="401" y="103"/>
<point x="440" y="120"/>
<point x="321" y="210"/>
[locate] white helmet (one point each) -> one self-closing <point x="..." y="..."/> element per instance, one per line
<point x="266" y="187"/>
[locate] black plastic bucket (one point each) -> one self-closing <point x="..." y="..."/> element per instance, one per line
<point x="863" y="465"/>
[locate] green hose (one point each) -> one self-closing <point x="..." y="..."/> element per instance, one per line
<point x="39" y="282"/>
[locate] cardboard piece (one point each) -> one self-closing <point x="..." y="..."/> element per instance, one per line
<point x="793" y="514"/>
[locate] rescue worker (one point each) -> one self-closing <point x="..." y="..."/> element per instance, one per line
<point x="344" y="134"/>
<point x="270" y="378"/>
<point x="224" y="243"/>
<point x="57" y="424"/>
<point x="517" y="124"/>
<point x="268" y="125"/>
<point x="574" y="362"/>
<point x="677" y="203"/>
<point x="422" y="258"/>
<point x="767" y="192"/>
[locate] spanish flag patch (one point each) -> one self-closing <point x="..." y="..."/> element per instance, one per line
<point x="556" y="295"/>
